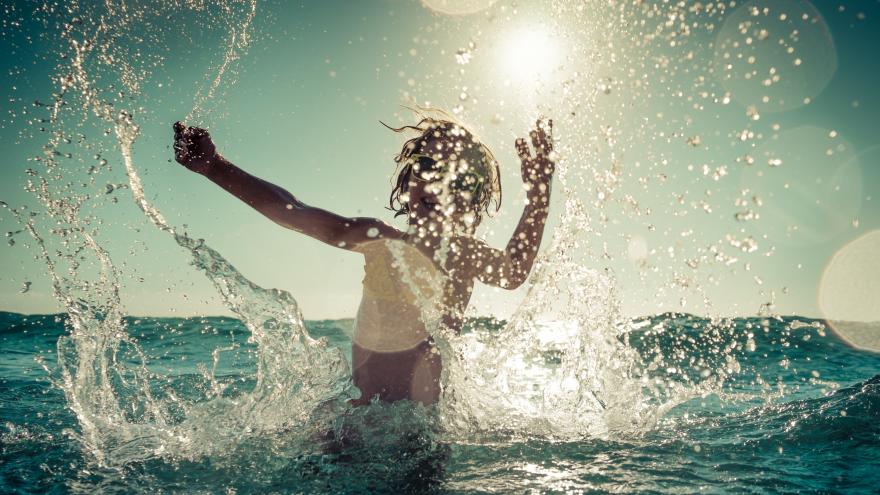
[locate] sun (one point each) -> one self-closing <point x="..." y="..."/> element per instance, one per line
<point x="529" y="56"/>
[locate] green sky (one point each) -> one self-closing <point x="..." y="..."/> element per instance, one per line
<point x="658" y="135"/>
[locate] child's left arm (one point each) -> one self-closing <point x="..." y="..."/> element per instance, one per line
<point x="194" y="149"/>
<point x="510" y="268"/>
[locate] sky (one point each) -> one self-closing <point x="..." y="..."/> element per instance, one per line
<point x="725" y="159"/>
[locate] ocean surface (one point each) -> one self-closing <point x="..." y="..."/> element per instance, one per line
<point x="800" y="413"/>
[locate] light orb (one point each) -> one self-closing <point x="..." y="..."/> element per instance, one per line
<point x="805" y="185"/>
<point x="775" y="55"/>
<point x="849" y="293"/>
<point x="457" y="7"/>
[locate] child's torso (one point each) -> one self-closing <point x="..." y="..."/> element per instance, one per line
<point x="405" y="297"/>
<point x="402" y="297"/>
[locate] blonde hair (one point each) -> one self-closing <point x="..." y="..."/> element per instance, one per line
<point x="484" y="180"/>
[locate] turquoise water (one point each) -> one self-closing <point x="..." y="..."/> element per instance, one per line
<point x="798" y="416"/>
<point x="567" y="396"/>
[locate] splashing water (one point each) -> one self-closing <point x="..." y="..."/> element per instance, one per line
<point x="491" y="378"/>
<point x="122" y="416"/>
<point x="562" y="368"/>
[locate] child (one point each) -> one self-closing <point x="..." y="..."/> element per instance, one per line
<point x="420" y="278"/>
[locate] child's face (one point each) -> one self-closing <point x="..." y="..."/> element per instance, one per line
<point x="431" y="209"/>
<point x="429" y="206"/>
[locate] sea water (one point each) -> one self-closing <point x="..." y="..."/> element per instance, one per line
<point x="817" y="431"/>
<point x="566" y="395"/>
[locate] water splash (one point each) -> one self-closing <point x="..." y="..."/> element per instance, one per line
<point x="124" y="416"/>
<point x="564" y="366"/>
<point x="236" y="46"/>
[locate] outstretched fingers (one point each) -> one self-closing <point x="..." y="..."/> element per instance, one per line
<point x="522" y="149"/>
<point x="542" y="137"/>
<point x="548" y="135"/>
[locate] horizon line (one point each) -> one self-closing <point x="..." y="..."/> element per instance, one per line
<point x="644" y="316"/>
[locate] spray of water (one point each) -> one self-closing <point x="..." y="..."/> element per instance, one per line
<point x="122" y="414"/>
<point x="563" y="367"/>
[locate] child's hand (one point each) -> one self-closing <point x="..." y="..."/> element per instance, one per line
<point x="537" y="171"/>
<point x="193" y="148"/>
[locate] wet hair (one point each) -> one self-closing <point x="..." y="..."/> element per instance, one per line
<point x="415" y="161"/>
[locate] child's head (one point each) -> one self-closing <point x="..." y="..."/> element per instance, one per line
<point x="444" y="172"/>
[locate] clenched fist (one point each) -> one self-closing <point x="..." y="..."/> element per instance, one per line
<point x="193" y="148"/>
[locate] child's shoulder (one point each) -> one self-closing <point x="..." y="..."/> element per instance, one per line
<point x="378" y="230"/>
<point x="369" y="231"/>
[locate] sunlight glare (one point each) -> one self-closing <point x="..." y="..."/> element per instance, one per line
<point x="529" y="56"/>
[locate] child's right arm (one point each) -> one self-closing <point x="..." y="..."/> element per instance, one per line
<point x="510" y="267"/>
<point x="195" y="150"/>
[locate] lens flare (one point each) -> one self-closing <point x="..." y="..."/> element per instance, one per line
<point x="457" y="7"/>
<point x="848" y="292"/>
<point x="775" y="55"/>
<point x="808" y="183"/>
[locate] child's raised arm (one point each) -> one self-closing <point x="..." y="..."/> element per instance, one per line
<point x="194" y="149"/>
<point x="510" y="268"/>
